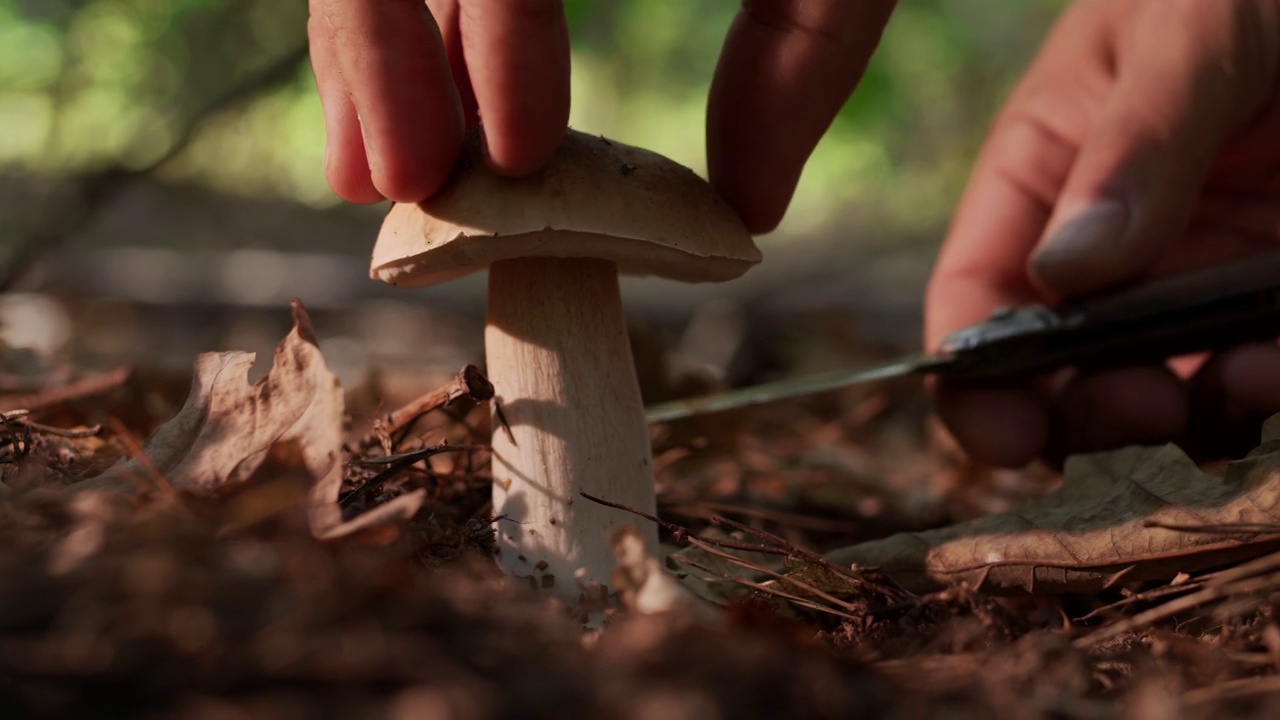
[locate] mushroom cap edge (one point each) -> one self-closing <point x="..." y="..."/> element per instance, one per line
<point x="596" y="198"/>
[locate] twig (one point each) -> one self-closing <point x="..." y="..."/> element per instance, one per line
<point x="1149" y="595"/>
<point x="20" y="417"/>
<point x="796" y="599"/>
<point x="697" y="508"/>
<point x="1215" y="528"/>
<point x="886" y="586"/>
<point x="716" y="548"/>
<point x="417" y="455"/>
<point x="87" y="387"/>
<point x="768" y="537"/>
<point x="682" y="536"/>
<point x="21" y="444"/>
<point x="762" y="570"/>
<point x="1148" y="618"/>
<point x="501" y="417"/>
<point x="396" y="464"/>
<point x="135" y="451"/>
<point x="11" y="384"/>
<point x="95" y="190"/>
<point x="469" y="382"/>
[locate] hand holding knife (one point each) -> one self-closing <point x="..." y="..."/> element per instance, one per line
<point x="1209" y="308"/>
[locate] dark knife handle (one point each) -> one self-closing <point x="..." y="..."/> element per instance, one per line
<point x="1209" y="308"/>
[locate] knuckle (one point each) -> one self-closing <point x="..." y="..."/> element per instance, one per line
<point x="839" y="24"/>
<point x="771" y="18"/>
<point x="1033" y="156"/>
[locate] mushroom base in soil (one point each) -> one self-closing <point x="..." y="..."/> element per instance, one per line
<point x="557" y="346"/>
<point x="560" y="362"/>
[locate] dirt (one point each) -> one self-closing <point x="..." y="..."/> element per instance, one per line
<point x="171" y="603"/>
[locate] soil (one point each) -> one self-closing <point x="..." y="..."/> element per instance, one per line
<point x="167" y="604"/>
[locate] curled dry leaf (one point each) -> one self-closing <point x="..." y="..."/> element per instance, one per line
<point x="1139" y="513"/>
<point x="228" y="428"/>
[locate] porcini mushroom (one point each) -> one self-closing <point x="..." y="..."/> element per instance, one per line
<point x="556" y="338"/>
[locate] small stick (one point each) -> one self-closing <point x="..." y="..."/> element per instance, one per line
<point x="796" y="599"/>
<point x="767" y="537"/>
<point x="417" y="455"/>
<point x="1215" y="528"/>
<point x="469" y="382"/>
<point x="762" y="570"/>
<point x="1147" y="596"/>
<point x="396" y="464"/>
<point x="706" y="509"/>
<point x="682" y="535"/>
<point x="21" y="444"/>
<point x="135" y="450"/>
<point x="21" y="417"/>
<point x="784" y="549"/>
<point x="502" y="420"/>
<point x="88" y="387"/>
<point x="809" y="556"/>
<point x="1148" y="618"/>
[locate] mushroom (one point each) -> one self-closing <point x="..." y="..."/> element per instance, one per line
<point x="570" y="419"/>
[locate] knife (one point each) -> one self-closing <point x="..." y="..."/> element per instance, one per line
<point x="1208" y="308"/>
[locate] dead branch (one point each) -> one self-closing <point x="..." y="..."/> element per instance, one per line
<point x="78" y="390"/>
<point x="469" y="382"/>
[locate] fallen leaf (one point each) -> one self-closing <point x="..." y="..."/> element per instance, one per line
<point x="1135" y="514"/>
<point x="228" y="428"/>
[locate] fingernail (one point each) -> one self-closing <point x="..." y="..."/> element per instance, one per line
<point x="1090" y="240"/>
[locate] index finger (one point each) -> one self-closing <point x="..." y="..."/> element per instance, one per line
<point x="388" y="58"/>
<point x="786" y="69"/>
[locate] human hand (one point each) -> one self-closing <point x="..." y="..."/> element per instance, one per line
<point x="400" y="80"/>
<point x="1145" y="138"/>
<point x="786" y="69"/>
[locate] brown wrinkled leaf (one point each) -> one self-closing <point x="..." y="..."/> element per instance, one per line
<point x="228" y="428"/>
<point x="1139" y="513"/>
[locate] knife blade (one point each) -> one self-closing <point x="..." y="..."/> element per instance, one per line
<point x="1209" y="308"/>
<point x="789" y="388"/>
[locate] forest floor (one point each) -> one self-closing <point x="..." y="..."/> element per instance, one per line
<point x="162" y="555"/>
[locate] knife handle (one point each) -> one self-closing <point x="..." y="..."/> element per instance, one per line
<point x="1208" y="308"/>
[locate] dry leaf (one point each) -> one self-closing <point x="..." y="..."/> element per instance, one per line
<point x="1139" y="513"/>
<point x="228" y="428"/>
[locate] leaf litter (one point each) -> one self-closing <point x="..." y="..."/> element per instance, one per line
<point x="1134" y="514"/>
<point x="258" y="555"/>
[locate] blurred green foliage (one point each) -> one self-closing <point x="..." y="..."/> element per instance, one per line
<point x="88" y="83"/>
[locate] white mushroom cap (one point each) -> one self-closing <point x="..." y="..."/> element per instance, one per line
<point x="603" y="199"/>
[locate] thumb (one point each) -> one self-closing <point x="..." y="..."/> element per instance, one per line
<point x="1188" y="74"/>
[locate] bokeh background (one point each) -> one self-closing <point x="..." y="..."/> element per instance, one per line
<point x="161" y="188"/>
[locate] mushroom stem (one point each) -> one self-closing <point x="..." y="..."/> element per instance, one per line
<point x="562" y="370"/>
